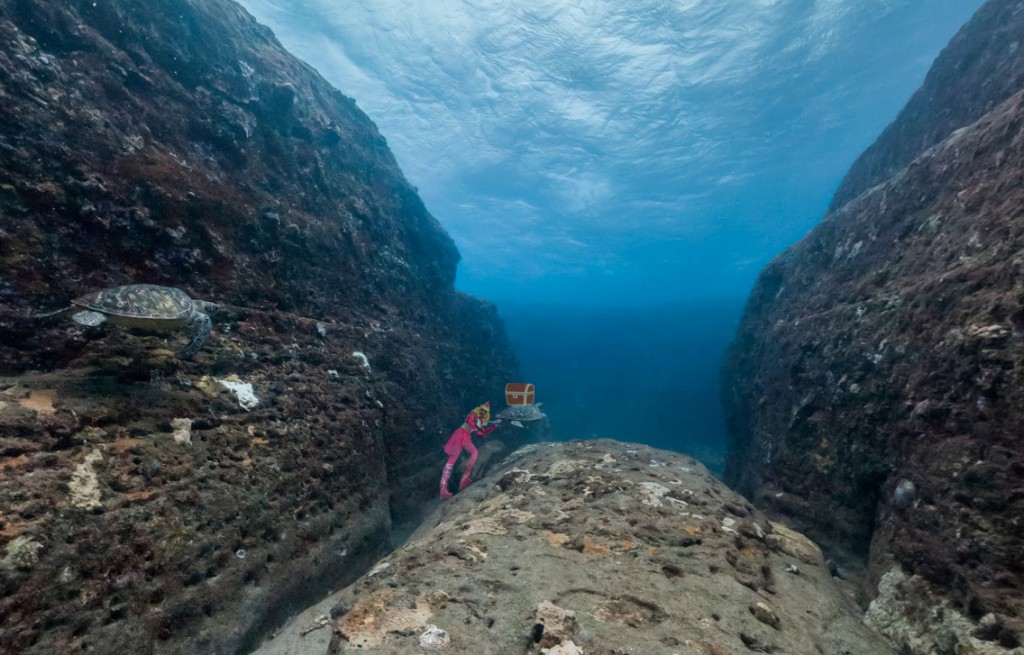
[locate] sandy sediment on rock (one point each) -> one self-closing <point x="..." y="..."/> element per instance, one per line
<point x="595" y="547"/>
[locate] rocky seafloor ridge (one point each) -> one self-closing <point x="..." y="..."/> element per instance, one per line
<point x="592" y="548"/>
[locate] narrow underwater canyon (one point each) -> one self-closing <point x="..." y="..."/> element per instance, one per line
<point x="151" y="503"/>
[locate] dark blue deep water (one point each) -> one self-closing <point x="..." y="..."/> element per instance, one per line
<point x="647" y="374"/>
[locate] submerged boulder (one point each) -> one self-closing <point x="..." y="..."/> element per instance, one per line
<point x="594" y="547"/>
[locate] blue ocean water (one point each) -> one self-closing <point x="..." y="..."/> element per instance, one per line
<point x="646" y="374"/>
<point x="611" y="171"/>
<point x="597" y="152"/>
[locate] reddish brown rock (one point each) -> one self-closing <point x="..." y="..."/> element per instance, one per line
<point x="143" y="509"/>
<point x="874" y="391"/>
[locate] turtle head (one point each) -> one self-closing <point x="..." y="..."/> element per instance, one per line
<point x="208" y="308"/>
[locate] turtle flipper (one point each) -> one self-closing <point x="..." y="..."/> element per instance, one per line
<point x="88" y="317"/>
<point x="198" y="329"/>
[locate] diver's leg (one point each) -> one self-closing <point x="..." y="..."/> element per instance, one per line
<point x="445" y="474"/>
<point x="465" y="481"/>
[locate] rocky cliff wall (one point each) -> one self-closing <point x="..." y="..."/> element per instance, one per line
<point x="874" y="389"/>
<point x="143" y="509"/>
<point x="982" y="66"/>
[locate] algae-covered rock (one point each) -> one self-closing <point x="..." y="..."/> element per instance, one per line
<point x="176" y="143"/>
<point x="22" y="555"/>
<point x="576" y="558"/>
<point x="873" y="393"/>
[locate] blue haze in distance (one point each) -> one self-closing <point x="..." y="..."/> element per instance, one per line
<point x="607" y="153"/>
<point x="616" y="174"/>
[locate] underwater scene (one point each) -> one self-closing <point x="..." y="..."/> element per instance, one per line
<point x="568" y="327"/>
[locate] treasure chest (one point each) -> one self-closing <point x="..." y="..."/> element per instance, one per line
<point x="518" y="393"/>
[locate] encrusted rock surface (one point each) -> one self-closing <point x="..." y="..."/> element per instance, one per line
<point x="594" y="548"/>
<point x="874" y="392"/>
<point x="147" y="504"/>
<point x="177" y="142"/>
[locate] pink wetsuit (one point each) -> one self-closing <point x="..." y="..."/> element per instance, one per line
<point x="461" y="439"/>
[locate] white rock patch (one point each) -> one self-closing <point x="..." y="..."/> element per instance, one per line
<point x="362" y="359"/>
<point x="182" y="428"/>
<point x="434" y="638"/>
<point x="85" y="485"/>
<point x="653" y="493"/>
<point x="243" y="391"/>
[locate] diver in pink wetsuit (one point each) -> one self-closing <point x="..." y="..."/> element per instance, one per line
<point x="461" y="439"/>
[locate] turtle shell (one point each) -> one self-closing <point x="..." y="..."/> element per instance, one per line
<point x="521" y="413"/>
<point x="148" y="302"/>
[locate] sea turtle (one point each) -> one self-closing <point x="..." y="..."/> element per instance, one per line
<point x="519" y="414"/>
<point x="147" y="306"/>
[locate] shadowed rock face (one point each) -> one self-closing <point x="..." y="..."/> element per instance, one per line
<point x="143" y="509"/>
<point x="874" y="391"/>
<point x="596" y="547"/>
